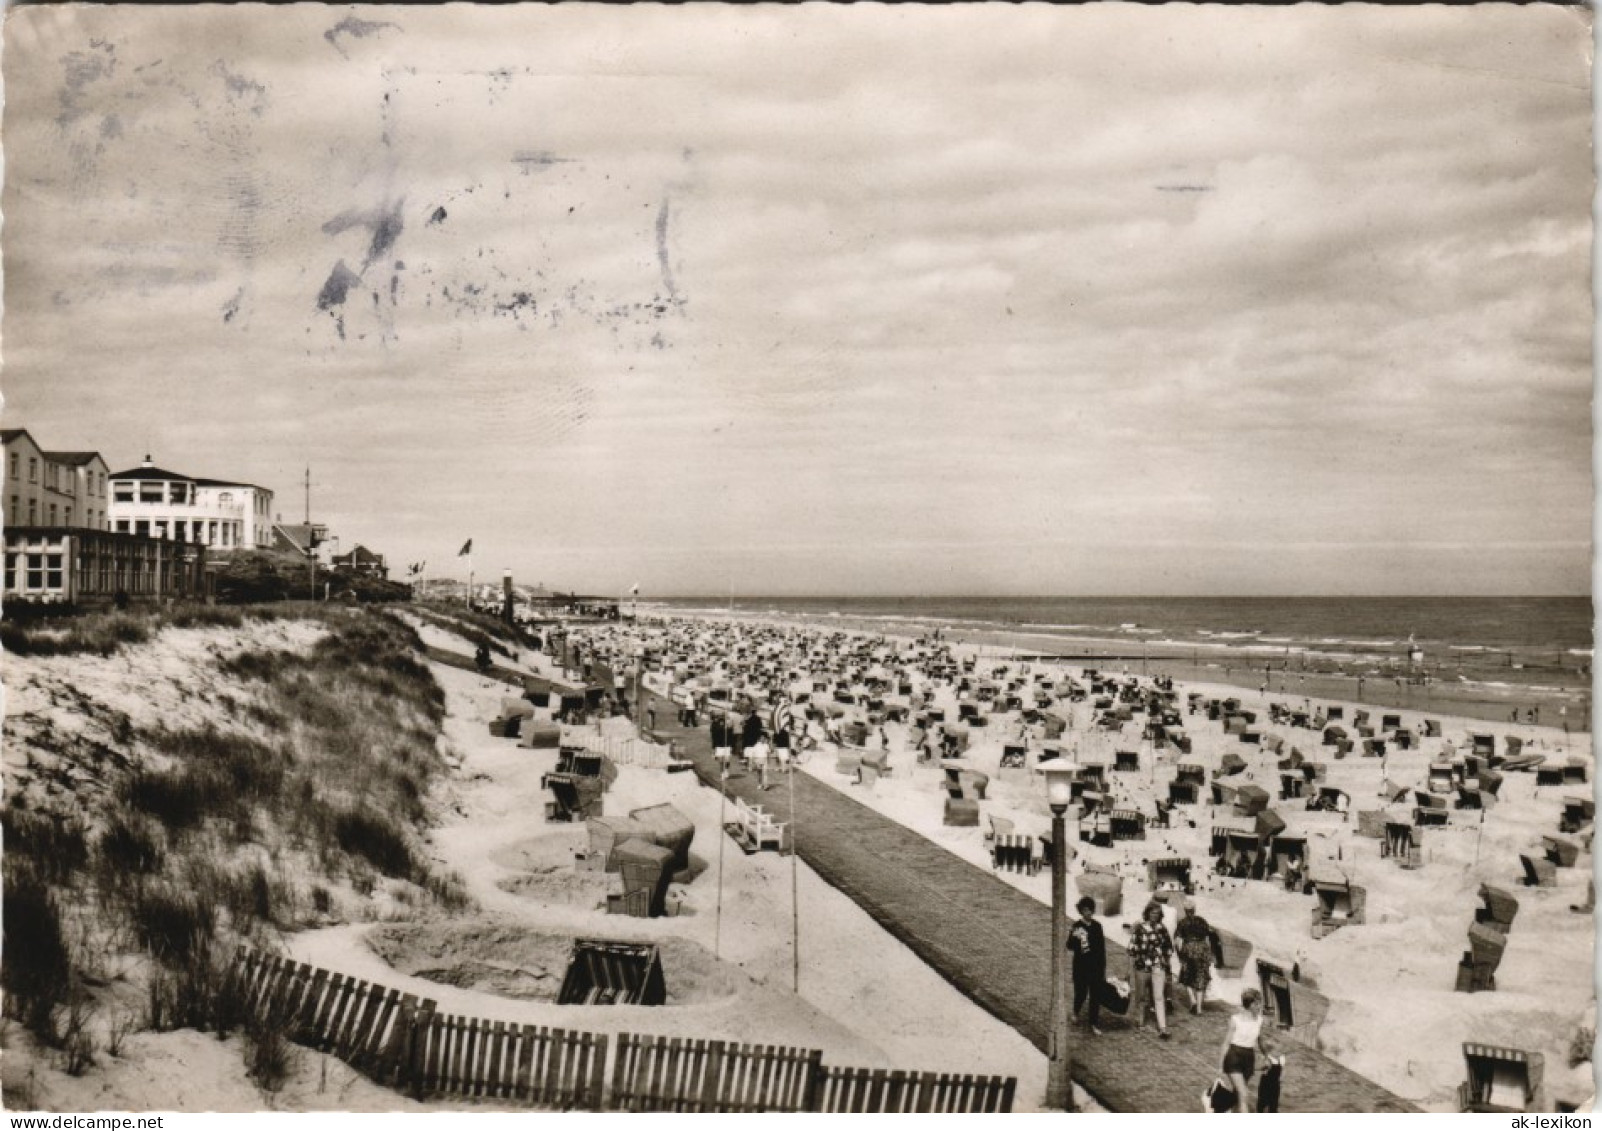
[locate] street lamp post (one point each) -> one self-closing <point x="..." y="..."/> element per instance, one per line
<point x="1059" y="1080"/>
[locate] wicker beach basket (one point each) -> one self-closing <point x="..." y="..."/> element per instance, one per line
<point x="1233" y="952"/>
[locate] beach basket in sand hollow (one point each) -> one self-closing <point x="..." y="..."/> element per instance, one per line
<point x="1107" y="890"/>
<point x="1233" y="952"/>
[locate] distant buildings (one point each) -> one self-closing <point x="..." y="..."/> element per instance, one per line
<point x="216" y="513"/>
<point x="53" y="489"/>
<point x="303" y="538"/>
<point x="362" y="562"/>
<point x="58" y="548"/>
<point x="77" y="533"/>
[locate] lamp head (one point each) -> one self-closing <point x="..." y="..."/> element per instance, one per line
<point x="1060" y="774"/>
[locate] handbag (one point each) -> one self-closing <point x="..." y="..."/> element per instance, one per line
<point x="1218" y="1098"/>
<point x="1114" y="996"/>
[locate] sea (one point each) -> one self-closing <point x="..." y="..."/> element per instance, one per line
<point x="1535" y="643"/>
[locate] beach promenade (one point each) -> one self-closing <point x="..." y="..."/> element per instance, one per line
<point x="994" y="943"/>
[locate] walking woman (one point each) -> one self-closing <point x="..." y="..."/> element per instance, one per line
<point x="1241" y="1043"/>
<point x="1195" y="938"/>
<point x="1150" y="953"/>
<point x="1089" y="947"/>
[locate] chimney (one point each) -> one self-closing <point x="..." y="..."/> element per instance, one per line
<point x="147" y="462"/>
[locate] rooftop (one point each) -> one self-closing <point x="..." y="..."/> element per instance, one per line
<point x="75" y="458"/>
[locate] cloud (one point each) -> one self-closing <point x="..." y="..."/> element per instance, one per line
<point x="833" y="279"/>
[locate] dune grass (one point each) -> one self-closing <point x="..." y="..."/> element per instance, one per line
<point x="235" y="830"/>
<point x="477" y="629"/>
<point x="104" y="633"/>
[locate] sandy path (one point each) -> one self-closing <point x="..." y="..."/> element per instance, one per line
<point x="864" y="998"/>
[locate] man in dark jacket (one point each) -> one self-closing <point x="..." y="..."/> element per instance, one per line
<point x="1089" y="948"/>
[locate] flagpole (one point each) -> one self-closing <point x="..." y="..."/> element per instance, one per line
<point x="469" y="582"/>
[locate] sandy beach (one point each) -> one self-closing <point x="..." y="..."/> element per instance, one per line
<point x="1393" y="1014"/>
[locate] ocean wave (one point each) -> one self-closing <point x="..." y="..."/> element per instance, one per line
<point x="1370" y="643"/>
<point x="1242" y="634"/>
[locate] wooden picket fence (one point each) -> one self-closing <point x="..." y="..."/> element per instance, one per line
<point x="401" y="1041"/>
<point x="467" y="1057"/>
<point x="364" y="1025"/>
<point x="884" y="1090"/>
<point x="674" y="1074"/>
<point x="622" y="751"/>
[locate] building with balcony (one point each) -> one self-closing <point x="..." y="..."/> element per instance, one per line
<point x="53" y="489"/>
<point x="219" y="514"/>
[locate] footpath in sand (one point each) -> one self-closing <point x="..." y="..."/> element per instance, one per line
<point x="864" y="998"/>
<point x="994" y="943"/>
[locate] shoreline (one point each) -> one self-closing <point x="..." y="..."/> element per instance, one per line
<point x="1414" y="915"/>
<point x="1483" y="701"/>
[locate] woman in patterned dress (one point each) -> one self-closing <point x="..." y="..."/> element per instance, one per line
<point x="1150" y="952"/>
<point x="1194" y="936"/>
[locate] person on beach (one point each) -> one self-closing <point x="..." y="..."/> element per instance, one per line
<point x="1151" y="950"/>
<point x="1088" y="945"/>
<point x="1196" y="939"/>
<point x="1241" y="1042"/>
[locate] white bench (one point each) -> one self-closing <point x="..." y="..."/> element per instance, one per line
<point x="754" y="829"/>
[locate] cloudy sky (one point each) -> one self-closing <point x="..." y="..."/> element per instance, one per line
<point x="956" y="300"/>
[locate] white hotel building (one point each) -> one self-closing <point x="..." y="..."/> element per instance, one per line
<point x="216" y="513"/>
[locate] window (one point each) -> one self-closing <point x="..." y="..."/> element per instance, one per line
<point x="52" y="514"/>
<point x="53" y="571"/>
<point x="33" y="512"/>
<point x="122" y="526"/>
<point x="33" y="470"/>
<point x="122" y="492"/>
<point x="11" y="569"/>
<point x="66" y="518"/>
<point x="12" y="473"/>
<point x="16" y="510"/>
<point x="142" y="528"/>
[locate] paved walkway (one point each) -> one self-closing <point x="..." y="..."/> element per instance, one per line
<point x="993" y="943"/>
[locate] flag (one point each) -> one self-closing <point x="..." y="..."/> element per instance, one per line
<point x="467" y="548"/>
